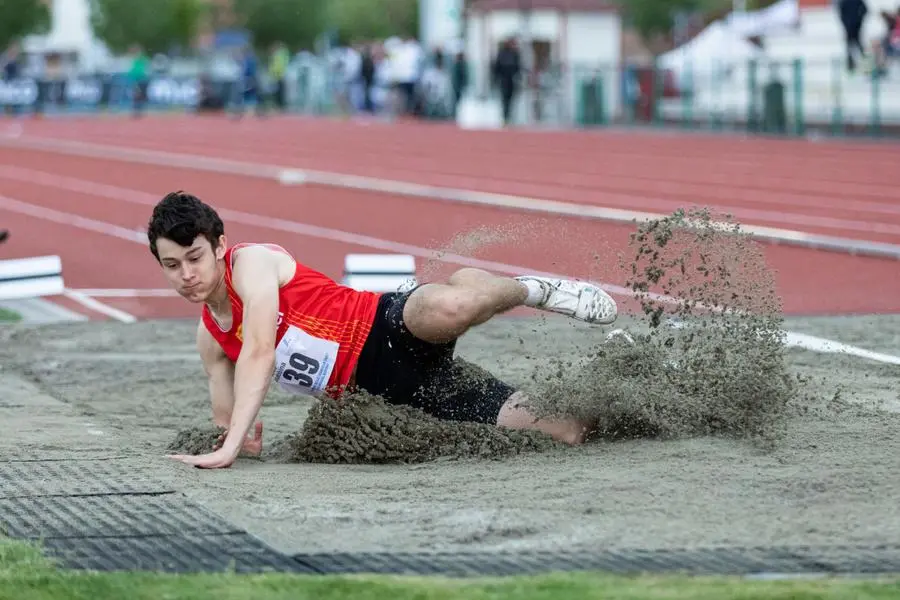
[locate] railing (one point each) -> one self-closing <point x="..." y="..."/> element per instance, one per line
<point x="777" y="97"/>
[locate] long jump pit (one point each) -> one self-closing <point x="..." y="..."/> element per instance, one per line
<point x="720" y="447"/>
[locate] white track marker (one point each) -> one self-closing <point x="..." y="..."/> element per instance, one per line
<point x="798" y="340"/>
<point x="825" y="346"/>
<point x="520" y="203"/>
<point x="292" y="177"/>
<point x="97" y="306"/>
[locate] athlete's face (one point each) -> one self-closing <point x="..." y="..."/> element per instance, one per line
<point x="194" y="271"/>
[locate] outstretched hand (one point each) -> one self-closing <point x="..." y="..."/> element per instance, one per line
<point x="221" y="457"/>
<point x="252" y="444"/>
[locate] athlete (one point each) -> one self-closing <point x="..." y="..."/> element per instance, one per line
<point x="267" y="317"/>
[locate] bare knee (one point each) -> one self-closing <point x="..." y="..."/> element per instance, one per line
<point x="469" y="276"/>
<point x="443" y="313"/>
<point x="515" y="414"/>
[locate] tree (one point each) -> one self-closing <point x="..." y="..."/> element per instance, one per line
<point x="156" y="25"/>
<point x="366" y="20"/>
<point x="297" y="23"/>
<point x="19" y="18"/>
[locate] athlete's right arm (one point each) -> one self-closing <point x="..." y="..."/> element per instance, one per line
<point x="220" y="373"/>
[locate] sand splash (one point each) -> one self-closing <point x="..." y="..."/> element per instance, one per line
<point x="707" y="352"/>
<point x="706" y="359"/>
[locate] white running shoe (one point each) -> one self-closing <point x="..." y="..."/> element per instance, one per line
<point x="575" y="299"/>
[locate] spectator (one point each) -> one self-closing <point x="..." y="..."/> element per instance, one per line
<point x="406" y="63"/>
<point x="853" y="14"/>
<point x="460" y="79"/>
<point x="139" y="76"/>
<point x="11" y="71"/>
<point x="249" y="83"/>
<point x="4" y="235"/>
<point x="278" y="64"/>
<point x="367" y="77"/>
<point x="11" y="67"/>
<point x="889" y="46"/>
<point x="507" y="69"/>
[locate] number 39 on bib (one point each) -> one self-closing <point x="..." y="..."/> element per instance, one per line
<point x="303" y="363"/>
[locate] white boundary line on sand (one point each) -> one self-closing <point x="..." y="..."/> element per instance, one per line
<point x="97" y="306"/>
<point x="794" y="339"/>
<point x="41" y="310"/>
<point x="293" y="175"/>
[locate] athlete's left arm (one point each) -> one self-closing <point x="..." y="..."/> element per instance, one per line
<point x="255" y="279"/>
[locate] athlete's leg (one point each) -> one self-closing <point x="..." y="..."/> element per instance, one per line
<point x="515" y="414"/>
<point x="440" y="313"/>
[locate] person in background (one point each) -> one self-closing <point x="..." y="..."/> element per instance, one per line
<point x="367" y="77"/>
<point x="11" y="70"/>
<point x="853" y="14"/>
<point x="139" y="77"/>
<point x="507" y="70"/>
<point x="460" y="79"/>
<point x="4" y="235"/>
<point x="887" y="47"/>
<point x="278" y="64"/>
<point x="249" y="83"/>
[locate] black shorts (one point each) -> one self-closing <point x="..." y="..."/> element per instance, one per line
<point x="403" y="369"/>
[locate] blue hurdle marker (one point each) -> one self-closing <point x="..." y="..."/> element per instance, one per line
<point x="31" y="277"/>
<point x="379" y="272"/>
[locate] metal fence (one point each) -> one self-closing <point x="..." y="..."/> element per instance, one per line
<point x="773" y="97"/>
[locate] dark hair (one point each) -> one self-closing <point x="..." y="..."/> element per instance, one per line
<point x="181" y="217"/>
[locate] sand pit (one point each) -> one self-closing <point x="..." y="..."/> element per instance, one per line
<point x="674" y="465"/>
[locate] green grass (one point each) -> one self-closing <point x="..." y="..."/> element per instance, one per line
<point x="26" y="575"/>
<point x="9" y="315"/>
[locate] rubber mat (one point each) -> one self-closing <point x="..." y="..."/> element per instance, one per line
<point x="238" y="552"/>
<point x="703" y="561"/>
<point x="73" y="478"/>
<point x="107" y="516"/>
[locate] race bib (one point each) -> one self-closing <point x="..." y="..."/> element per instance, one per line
<point x="303" y="363"/>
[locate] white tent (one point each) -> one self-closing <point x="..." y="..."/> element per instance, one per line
<point x="713" y="53"/>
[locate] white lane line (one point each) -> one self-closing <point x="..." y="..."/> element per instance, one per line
<point x="127" y="293"/>
<point x="798" y="340"/>
<point x="521" y="203"/>
<point x="97" y="306"/>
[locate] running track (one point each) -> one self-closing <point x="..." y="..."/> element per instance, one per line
<point x="75" y="187"/>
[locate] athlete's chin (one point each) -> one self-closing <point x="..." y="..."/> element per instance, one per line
<point x="195" y="295"/>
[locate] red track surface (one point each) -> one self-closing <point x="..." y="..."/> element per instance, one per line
<point x="848" y="190"/>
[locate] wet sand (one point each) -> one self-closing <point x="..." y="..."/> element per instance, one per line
<point x="830" y="479"/>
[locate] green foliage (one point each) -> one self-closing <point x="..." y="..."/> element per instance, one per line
<point x="362" y="20"/>
<point x="156" y="25"/>
<point x="19" y="18"/>
<point x="297" y="23"/>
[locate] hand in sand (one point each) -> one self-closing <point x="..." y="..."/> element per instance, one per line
<point x="222" y="458"/>
<point x="252" y="444"/>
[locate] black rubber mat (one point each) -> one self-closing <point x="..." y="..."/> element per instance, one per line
<point x="73" y="478"/>
<point x="237" y="552"/>
<point x="107" y="516"/>
<point x="704" y="561"/>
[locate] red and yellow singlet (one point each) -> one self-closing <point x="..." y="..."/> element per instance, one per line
<point x="322" y="327"/>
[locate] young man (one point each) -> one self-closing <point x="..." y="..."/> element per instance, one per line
<point x="266" y="316"/>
